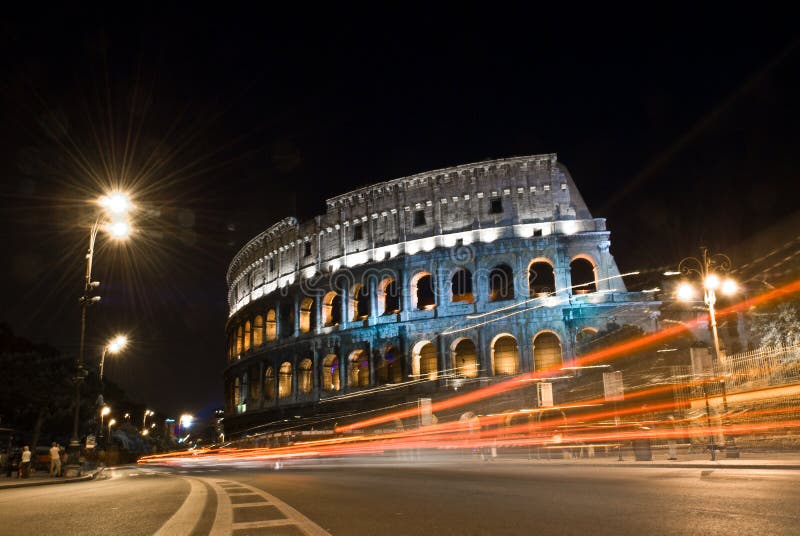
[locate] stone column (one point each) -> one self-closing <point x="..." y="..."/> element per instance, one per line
<point x="278" y="326"/>
<point x="345" y="295"/>
<point x="373" y="299"/>
<point x="296" y="306"/>
<point x="261" y="386"/>
<point x="316" y="372"/>
<point x="342" y="371"/>
<point x="405" y="295"/>
<point x="295" y="394"/>
<point x="441" y="358"/>
<point x="317" y="312"/>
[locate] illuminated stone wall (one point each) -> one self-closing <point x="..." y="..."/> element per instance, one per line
<point x="441" y="279"/>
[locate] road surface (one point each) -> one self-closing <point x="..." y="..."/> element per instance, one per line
<point x="369" y="498"/>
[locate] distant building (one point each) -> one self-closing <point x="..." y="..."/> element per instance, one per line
<point x="413" y="287"/>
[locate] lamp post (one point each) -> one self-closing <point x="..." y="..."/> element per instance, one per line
<point x="105" y="410"/>
<point x="710" y="269"/>
<point x="147" y="413"/>
<point x="115" y="346"/>
<point x="111" y="422"/>
<point x="117" y="205"/>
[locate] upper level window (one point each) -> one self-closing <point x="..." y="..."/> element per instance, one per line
<point x="419" y="218"/>
<point x="307" y="249"/>
<point x="496" y="206"/>
<point x="358" y="231"/>
<point x="272" y="264"/>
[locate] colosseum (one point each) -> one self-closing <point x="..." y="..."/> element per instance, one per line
<point x="417" y="287"/>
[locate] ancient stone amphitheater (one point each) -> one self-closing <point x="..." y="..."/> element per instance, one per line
<point x="416" y="287"/>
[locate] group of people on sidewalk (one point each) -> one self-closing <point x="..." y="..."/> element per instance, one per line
<point x="23" y="463"/>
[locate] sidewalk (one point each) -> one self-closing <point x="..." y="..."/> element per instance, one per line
<point x="42" y="478"/>
<point x="747" y="460"/>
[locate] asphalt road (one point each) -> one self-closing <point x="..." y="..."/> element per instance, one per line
<point x="415" y="499"/>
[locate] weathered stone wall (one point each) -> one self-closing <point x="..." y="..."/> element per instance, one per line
<point x="493" y="219"/>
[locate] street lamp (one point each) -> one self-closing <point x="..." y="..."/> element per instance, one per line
<point x="105" y="410"/>
<point x="111" y="423"/>
<point x="115" y="346"/>
<point x="710" y="269"/>
<point x="115" y="207"/>
<point x="147" y="413"/>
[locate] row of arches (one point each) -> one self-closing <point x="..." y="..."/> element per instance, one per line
<point x="501" y="287"/>
<point x="282" y="381"/>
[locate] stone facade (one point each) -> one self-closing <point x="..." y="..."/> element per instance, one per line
<point x="445" y="279"/>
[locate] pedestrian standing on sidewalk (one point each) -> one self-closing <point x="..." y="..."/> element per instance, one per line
<point x="25" y="464"/>
<point x="55" y="460"/>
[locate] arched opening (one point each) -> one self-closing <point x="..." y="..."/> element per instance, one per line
<point x="330" y="373"/>
<point x="360" y="303"/>
<point x="584" y="336"/>
<point x="425" y="363"/>
<point x="465" y="359"/>
<point x="541" y="279"/>
<point x="258" y="331"/>
<point x="308" y="320"/>
<point x="388" y="297"/>
<point x="546" y="352"/>
<point x="501" y="283"/>
<point x="582" y="275"/>
<point x="239" y="339"/>
<point x="305" y="381"/>
<point x="245" y="389"/>
<point x="237" y="392"/>
<point x="285" y="380"/>
<point x="358" y="373"/>
<point x="232" y="346"/>
<point x="287" y="319"/>
<point x="247" y="334"/>
<point x="390" y="369"/>
<point x="505" y="357"/>
<point x="272" y="326"/>
<point x="269" y="383"/>
<point x="331" y="309"/>
<point x="422" y="292"/>
<point x="461" y="286"/>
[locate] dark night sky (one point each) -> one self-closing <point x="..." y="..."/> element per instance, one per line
<point x="679" y="127"/>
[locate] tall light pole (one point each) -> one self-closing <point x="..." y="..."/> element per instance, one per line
<point x="711" y="269"/>
<point x="116" y="206"/>
<point x="147" y="413"/>
<point x="105" y="410"/>
<point x="115" y="346"/>
<point x="111" y="422"/>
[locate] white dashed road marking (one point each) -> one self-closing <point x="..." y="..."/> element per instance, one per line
<point x="225" y="523"/>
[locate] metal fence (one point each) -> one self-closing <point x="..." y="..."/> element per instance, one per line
<point x="770" y="366"/>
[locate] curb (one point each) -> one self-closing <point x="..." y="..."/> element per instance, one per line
<point x="687" y="465"/>
<point x="53" y="482"/>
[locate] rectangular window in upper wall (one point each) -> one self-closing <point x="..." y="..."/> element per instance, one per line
<point x="496" y="206"/>
<point x="358" y="232"/>
<point x="419" y="218"/>
<point x="307" y="250"/>
<point x="272" y="264"/>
